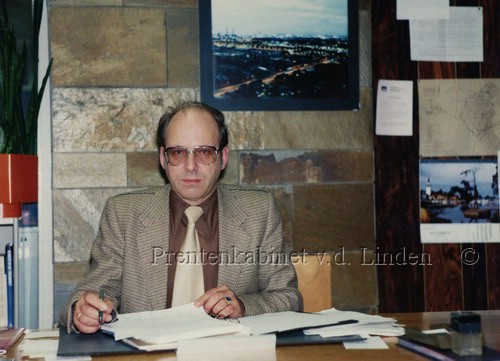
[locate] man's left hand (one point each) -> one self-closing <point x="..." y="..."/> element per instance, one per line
<point x="221" y="302"/>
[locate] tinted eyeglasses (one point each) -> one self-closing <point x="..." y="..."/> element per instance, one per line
<point x="204" y="154"/>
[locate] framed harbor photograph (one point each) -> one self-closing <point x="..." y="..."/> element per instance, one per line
<point x="459" y="200"/>
<point x="279" y="55"/>
<point x="460" y="190"/>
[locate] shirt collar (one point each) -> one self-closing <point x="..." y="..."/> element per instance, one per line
<point x="178" y="206"/>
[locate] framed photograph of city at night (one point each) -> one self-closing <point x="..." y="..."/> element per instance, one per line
<point x="279" y="54"/>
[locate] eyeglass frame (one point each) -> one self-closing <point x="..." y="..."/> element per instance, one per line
<point x="191" y="151"/>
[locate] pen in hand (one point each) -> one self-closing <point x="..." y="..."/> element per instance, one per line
<point x="101" y="296"/>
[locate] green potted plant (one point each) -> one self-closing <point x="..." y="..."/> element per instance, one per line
<point x="18" y="119"/>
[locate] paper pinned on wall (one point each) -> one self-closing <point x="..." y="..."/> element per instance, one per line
<point x="422" y="9"/>
<point x="460" y="38"/>
<point x="394" y="107"/>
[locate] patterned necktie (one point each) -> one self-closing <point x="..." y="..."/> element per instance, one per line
<point x="188" y="283"/>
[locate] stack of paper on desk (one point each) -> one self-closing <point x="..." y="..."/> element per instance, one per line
<point x="365" y="325"/>
<point x="162" y="329"/>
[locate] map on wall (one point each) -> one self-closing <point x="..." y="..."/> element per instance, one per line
<point x="459" y="117"/>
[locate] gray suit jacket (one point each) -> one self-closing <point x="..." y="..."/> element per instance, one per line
<point x="127" y="260"/>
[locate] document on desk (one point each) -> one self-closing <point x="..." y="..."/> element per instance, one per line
<point x="291" y="321"/>
<point x="170" y="325"/>
<point x="365" y="325"/>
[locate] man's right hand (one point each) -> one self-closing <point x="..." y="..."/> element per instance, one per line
<point x="86" y="312"/>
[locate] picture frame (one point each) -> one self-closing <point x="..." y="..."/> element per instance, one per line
<point x="279" y="55"/>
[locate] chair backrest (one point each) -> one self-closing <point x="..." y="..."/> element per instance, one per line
<point x="315" y="280"/>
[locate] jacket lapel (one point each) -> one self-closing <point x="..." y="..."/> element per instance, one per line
<point x="153" y="239"/>
<point x="233" y="238"/>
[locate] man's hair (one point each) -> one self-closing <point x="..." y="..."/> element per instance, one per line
<point x="161" y="136"/>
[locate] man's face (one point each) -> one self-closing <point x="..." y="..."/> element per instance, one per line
<point x="192" y="180"/>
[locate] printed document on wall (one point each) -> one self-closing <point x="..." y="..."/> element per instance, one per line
<point x="394" y="107"/>
<point x="459" y="38"/>
<point x="422" y="9"/>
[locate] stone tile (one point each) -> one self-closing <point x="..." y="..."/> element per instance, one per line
<point x="246" y="129"/>
<point x="182" y="48"/>
<point x="289" y="166"/>
<point x="354" y="285"/>
<point x="165" y="3"/>
<point x="108" y="46"/>
<point x="321" y="129"/>
<point x="66" y="277"/>
<point x="69" y="273"/>
<point x="89" y="170"/>
<point x="76" y="221"/>
<point x="111" y="119"/>
<point x="144" y="170"/>
<point x="230" y="173"/>
<point x="55" y="3"/>
<point x="73" y="234"/>
<point x="329" y="216"/>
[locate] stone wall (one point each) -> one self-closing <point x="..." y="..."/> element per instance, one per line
<point x="118" y="64"/>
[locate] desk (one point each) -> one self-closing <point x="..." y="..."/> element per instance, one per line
<point x="490" y="321"/>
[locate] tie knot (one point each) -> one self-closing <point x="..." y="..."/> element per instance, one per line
<point x="193" y="213"/>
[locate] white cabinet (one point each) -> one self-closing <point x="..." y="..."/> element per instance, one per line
<point x="25" y="270"/>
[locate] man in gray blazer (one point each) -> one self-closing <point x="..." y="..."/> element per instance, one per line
<point x="246" y="266"/>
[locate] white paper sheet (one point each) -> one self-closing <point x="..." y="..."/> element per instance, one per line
<point x="30" y="334"/>
<point x="45" y="348"/>
<point x="422" y="9"/>
<point x="223" y="345"/>
<point x="435" y="331"/>
<point x="378" y="329"/>
<point x="369" y="343"/>
<point x="460" y="38"/>
<point x="170" y="325"/>
<point x="289" y="320"/>
<point x="394" y="107"/>
<point x="366" y="325"/>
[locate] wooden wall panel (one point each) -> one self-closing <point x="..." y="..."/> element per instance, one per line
<point x="433" y="70"/>
<point x="493" y="275"/>
<point x="450" y="283"/>
<point x="474" y="261"/>
<point x="396" y="185"/>
<point x="443" y="280"/>
<point x="490" y="68"/>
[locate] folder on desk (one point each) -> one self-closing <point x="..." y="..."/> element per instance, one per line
<point x="95" y="344"/>
<point x="297" y="337"/>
